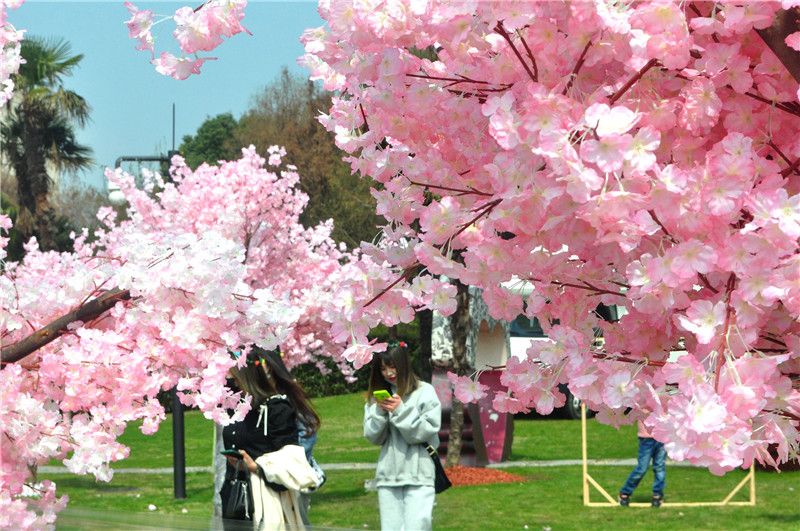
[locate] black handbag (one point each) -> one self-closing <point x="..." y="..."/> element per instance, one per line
<point x="237" y="496"/>
<point x="440" y="482"/>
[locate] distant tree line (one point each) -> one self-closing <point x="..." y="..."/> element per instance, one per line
<point x="285" y="113"/>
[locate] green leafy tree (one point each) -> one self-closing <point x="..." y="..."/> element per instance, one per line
<point x="214" y="140"/>
<point x="39" y="131"/>
<point x="285" y="113"/>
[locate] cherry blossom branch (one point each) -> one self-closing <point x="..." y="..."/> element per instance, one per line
<point x="574" y="75"/>
<point x="785" y="173"/>
<point x="458" y="191"/>
<point x="632" y="81"/>
<point x="408" y="271"/>
<point x="772" y="340"/>
<point x="776" y="104"/>
<point x="729" y="287"/>
<point x="91" y="294"/>
<point x="404" y="274"/>
<point x="585" y="286"/>
<point x="663" y="228"/>
<point x="466" y="94"/>
<point x="502" y="31"/>
<point x="777" y="150"/>
<point x="484" y="210"/>
<point x="626" y="359"/>
<point x="785" y="414"/>
<point x="697" y="12"/>
<point x="456" y="80"/>
<point x="364" y="116"/>
<point x="706" y="283"/>
<point x="530" y="55"/>
<point x="86" y="312"/>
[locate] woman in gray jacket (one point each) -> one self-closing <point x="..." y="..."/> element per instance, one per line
<point x="402" y="424"/>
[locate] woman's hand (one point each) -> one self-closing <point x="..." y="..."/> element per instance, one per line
<point x="390" y="404"/>
<point x="248" y="462"/>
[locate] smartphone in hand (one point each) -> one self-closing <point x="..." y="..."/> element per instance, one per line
<point x="231" y="453"/>
<point x="381" y="394"/>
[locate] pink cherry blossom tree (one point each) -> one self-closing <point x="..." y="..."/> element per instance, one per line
<point x="642" y="155"/>
<point x="10" y="57"/>
<point x="637" y="154"/>
<point x="204" y="262"/>
<point x="198" y="29"/>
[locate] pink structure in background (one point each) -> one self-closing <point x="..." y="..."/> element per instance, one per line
<point x="488" y="441"/>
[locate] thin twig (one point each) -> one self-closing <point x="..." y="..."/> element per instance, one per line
<point x="364" y="116"/>
<point x="584" y="286"/>
<point x="706" y="283"/>
<point x="663" y="228"/>
<point x="777" y="150"/>
<point x="502" y="31"/>
<point x="530" y="55"/>
<point x="773" y="340"/>
<point x="460" y="79"/>
<point x="395" y="282"/>
<point x="459" y="191"/>
<point x="791" y="168"/>
<point x="611" y="357"/>
<point x="634" y="78"/>
<point x="577" y="68"/>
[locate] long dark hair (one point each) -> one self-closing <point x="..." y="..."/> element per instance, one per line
<point x="265" y="375"/>
<point x="397" y="357"/>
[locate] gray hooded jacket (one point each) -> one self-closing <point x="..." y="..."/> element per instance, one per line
<point x="402" y="435"/>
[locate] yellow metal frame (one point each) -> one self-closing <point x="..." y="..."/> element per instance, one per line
<point x="611" y="502"/>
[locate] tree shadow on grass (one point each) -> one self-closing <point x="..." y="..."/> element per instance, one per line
<point x="90" y="483"/>
<point x="792" y="518"/>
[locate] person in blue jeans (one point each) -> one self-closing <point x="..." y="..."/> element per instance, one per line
<point x="649" y="450"/>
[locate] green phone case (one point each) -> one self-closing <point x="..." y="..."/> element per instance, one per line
<point x="381" y="394"/>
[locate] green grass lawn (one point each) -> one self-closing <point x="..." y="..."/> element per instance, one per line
<point x="340" y="439"/>
<point x="550" y="497"/>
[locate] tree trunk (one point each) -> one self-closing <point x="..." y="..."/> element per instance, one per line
<point x="425" y="368"/>
<point x="460" y="323"/>
<point x="33" y="183"/>
<point x="785" y="24"/>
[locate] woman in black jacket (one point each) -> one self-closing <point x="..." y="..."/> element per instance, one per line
<point x="271" y="423"/>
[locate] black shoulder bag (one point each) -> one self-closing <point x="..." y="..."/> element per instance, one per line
<point x="440" y="482"/>
<point x="236" y="495"/>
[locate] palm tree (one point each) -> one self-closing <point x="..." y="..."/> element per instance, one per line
<point x="38" y="130"/>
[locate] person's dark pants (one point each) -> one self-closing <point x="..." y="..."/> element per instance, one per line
<point x="649" y="450"/>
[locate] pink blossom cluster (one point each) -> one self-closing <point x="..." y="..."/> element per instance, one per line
<point x="199" y="29"/>
<point x="10" y="58"/>
<point x="360" y="304"/>
<point x="212" y="259"/>
<point x="643" y="155"/>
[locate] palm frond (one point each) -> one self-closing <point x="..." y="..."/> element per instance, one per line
<point x="64" y="151"/>
<point x="71" y="104"/>
<point x="47" y="62"/>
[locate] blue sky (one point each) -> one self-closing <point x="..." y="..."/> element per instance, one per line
<point x="131" y="103"/>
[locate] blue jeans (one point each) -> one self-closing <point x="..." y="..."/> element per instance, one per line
<point x="649" y="449"/>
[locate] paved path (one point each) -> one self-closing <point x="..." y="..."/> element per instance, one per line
<point x="370" y="466"/>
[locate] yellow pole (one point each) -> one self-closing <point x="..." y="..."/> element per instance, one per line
<point x="583" y="452"/>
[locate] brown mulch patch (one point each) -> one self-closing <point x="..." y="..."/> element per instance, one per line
<point x="470" y="475"/>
